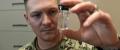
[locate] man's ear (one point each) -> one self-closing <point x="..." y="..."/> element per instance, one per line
<point x="26" y="17"/>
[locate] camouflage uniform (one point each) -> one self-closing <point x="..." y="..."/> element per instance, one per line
<point x="66" y="44"/>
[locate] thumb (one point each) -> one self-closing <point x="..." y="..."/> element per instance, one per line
<point x="71" y="34"/>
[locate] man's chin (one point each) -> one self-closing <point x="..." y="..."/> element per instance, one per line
<point x="48" y="36"/>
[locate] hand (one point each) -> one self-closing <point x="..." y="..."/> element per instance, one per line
<point x="96" y="27"/>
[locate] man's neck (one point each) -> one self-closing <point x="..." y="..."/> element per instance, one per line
<point x="46" y="45"/>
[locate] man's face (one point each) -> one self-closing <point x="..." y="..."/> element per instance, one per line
<point x="42" y="15"/>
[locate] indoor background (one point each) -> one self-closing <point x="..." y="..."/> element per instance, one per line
<point x="14" y="31"/>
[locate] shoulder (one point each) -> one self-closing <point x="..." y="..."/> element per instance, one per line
<point x="29" y="46"/>
<point x="25" y="47"/>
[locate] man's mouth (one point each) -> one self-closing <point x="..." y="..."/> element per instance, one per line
<point x="47" y="29"/>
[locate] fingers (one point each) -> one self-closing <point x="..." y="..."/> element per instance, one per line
<point x="71" y="34"/>
<point x="98" y="15"/>
<point x="84" y="6"/>
<point x="103" y="25"/>
<point x="83" y="10"/>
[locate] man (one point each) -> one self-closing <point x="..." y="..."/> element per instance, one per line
<point x="96" y="26"/>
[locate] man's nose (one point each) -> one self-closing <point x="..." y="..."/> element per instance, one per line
<point x="46" y="20"/>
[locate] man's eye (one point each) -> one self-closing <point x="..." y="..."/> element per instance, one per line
<point x="36" y="15"/>
<point x="53" y="12"/>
